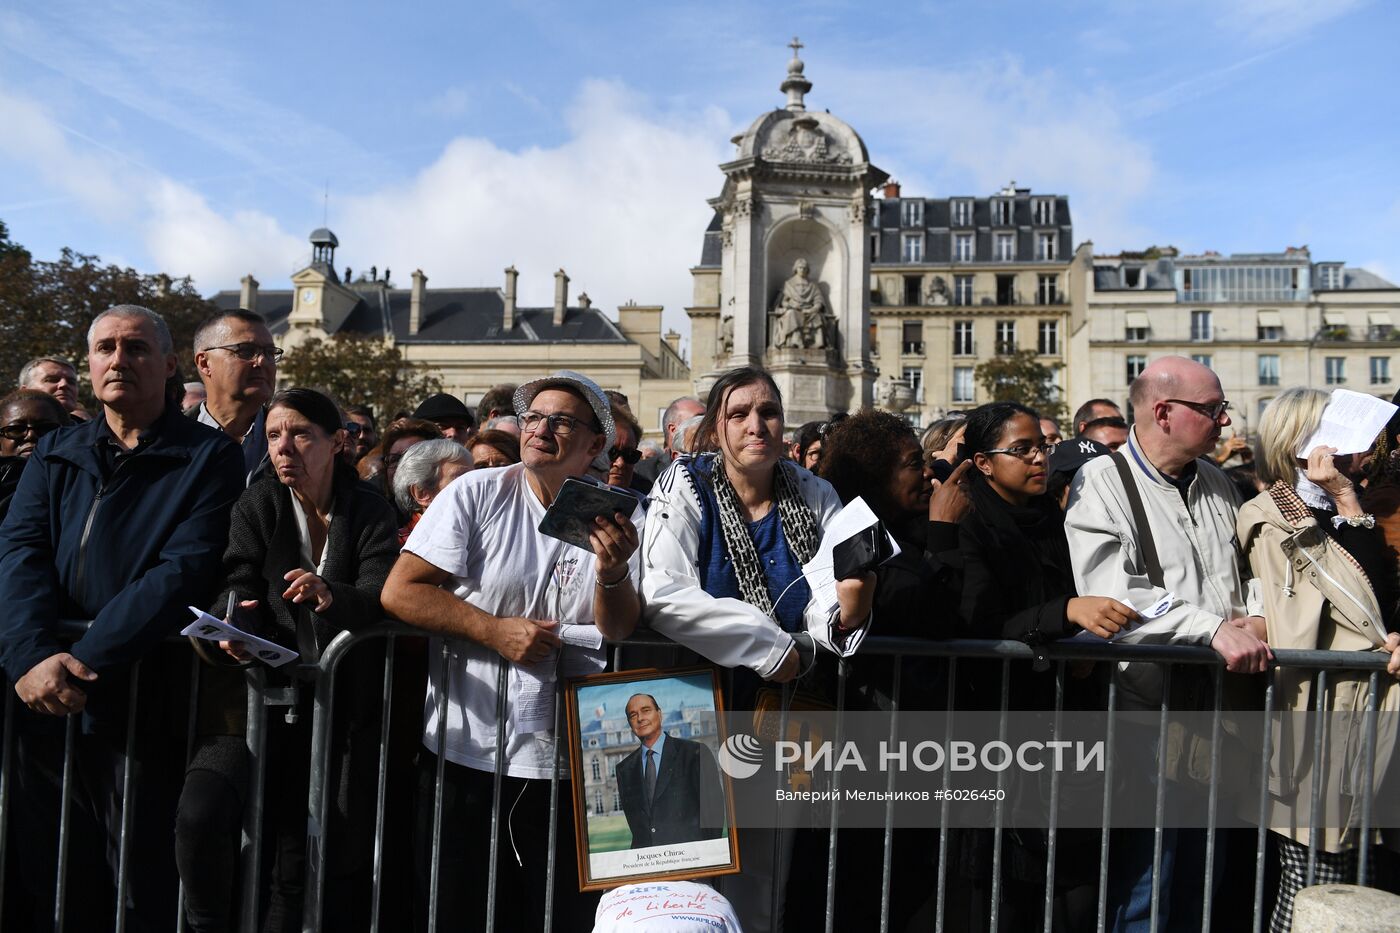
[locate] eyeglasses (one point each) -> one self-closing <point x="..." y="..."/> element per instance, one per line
<point x="1027" y="454"/>
<point x="247" y="352"/>
<point x="1213" y="412"/>
<point x="825" y="427"/>
<point x="629" y="455"/>
<point x="562" y="425"/>
<point x="19" y="430"/>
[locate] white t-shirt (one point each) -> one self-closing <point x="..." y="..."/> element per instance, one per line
<point x="481" y="529"/>
<point x="665" y="907"/>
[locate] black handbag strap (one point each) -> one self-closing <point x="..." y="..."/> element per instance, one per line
<point x="1147" y="547"/>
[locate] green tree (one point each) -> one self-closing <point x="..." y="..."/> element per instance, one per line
<point x="359" y="370"/>
<point x="46" y="307"/>
<point x="1021" y="377"/>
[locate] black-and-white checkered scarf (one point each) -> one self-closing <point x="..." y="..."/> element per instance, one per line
<point x="798" y="523"/>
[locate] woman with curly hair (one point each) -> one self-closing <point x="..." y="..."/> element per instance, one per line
<point x="875" y="455"/>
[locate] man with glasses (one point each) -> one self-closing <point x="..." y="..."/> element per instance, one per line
<point x="364" y="433"/>
<point x="477" y="572"/>
<point x="237" y="362"/>
<point x="624" y="455"/>
<point x="1189" y="507"/>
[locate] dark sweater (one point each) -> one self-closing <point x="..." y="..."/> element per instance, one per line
<point x="361" y="547"/>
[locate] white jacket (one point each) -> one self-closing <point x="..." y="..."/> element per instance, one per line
<point x="727" y="631"/>
<point x="1200" y="555"/>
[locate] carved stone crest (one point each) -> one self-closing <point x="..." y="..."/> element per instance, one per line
<point x="936" y="291"/>
<point x="802" y="141"/>
<point x="858" y="212"/>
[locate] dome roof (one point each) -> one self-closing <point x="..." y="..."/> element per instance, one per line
<point x="797" y="136"/>
<point x="322" y="236"/>
<point x="802" y="137"/>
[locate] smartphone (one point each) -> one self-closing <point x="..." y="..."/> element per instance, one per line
<point x="942" y="469"/>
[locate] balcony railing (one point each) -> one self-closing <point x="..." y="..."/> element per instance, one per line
<point x="989" y="298"/>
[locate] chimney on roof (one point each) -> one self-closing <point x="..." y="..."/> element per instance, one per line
<point x="561" y="297"/>
<point x="891" y="189"/>
<point x="508" y="323"/>
<point x="584" y="301"/>
<point x="248" y="294"/>
<point x="415" y="301"/>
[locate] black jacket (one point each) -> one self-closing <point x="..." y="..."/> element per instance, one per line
<point x="689" y="803"/>
<point x="1017" y="577"/>
<point x="263" y="545"/>
<point x="10" y="469"/>
<point x="130" y="551"/>
<point x="1016" y="583"/>
<point x="916" y="596"/>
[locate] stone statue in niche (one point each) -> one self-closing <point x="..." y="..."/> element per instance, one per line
<point x="936" y="292"/>
<point x="800" y="316"/>
<point x="726" y="334"/>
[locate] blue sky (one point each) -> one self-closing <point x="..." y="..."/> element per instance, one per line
<point x="200" y="138"/>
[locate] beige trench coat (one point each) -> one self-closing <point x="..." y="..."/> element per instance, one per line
<point x="1315" y="596"/>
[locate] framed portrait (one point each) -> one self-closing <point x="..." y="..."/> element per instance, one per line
<point x="650" y="801"/>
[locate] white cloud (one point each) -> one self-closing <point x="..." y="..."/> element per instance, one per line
<point x="1275" y="21"/>
<point x="184" y="235"/>
<point x="34" y="138"/>
<point x="450" y="103"/>
<point x="970" y="131"/>
<point x="620" y="205"/>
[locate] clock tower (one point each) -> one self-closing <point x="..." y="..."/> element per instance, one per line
<point x="320" y="302"/>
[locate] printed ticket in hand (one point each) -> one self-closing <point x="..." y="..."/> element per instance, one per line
<point x="1147" y="614"/>
<point x="208" y="628"/>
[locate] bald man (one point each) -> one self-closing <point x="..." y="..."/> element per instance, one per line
<point x="1189" y="506"/>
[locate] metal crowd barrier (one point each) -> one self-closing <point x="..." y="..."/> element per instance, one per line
<point x="262" y="699"/>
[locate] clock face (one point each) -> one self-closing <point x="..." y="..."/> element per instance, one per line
<point x="307" y="296"/>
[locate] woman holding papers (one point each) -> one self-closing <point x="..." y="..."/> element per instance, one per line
<point x="726" y="538"/>
<point x="876" y="456"/>
<point x="725" y="541"/>
<point x="309" y="549"/>
<point x="1327" y="583"/>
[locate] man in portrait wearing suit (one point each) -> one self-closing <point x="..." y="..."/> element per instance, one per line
<point x="669" y="786"/>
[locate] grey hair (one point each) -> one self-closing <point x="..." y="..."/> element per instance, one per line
<point x="495" y="423"/>
<point x="672" y="415"/>
<point x="420" y="465"/>
<point x="678" y="443"/>
<point x="167" y="345"/>
<point x="27" y="369"/>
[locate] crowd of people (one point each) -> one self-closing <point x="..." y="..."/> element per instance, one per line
<point x="297" y="518"/>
